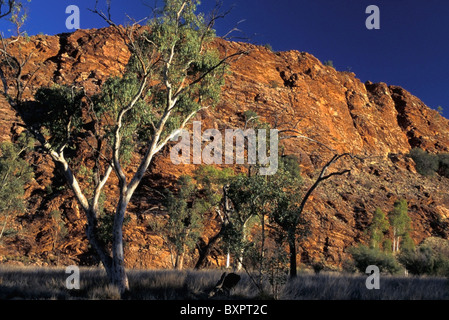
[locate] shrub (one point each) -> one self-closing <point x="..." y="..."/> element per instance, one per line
<point x="364" y="256"/>
<point x="431" y="258"/>
<point x="348" y="265"/>
<point x="274" y="84"/>
<point x="268" y="46"/>
<point x="329" y="63"/>
<point x="417" y="262"/>
<point x="443" y="164"/>
<point x="426" y="164"/>
<point x="318" y="267"/>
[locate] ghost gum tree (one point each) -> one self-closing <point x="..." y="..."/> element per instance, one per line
<point x="173" y="73"/>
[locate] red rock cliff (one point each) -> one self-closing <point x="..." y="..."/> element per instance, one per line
<point x="376" y="122"/>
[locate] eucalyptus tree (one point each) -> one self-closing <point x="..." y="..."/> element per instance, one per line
<point x="400" y="222"/>
<point x="378" y="227"/>
<point x="173" y="72"/>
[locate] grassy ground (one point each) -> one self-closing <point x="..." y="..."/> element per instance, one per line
<point x="49" y="283"/>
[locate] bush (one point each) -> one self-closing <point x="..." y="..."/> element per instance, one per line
<point x="443" y="164"/>
<point x="348" y="265"/>
<point x="426" y="164"/>
<point x="268" y="46"/>
<point x="431" y="258"/>
<point x="274" y="84"/>
<point x="417" y="262"/>
<point x="364" y="256"/>
<point x="329" y="63"/>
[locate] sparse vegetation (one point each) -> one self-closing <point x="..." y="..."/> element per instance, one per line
<point x="429" y="164"/>
<point x="268" y="47"/>
<point x="274" y="84"/>
<point x="15" y="172"/>
<point x="426" y="163"/>
<point x="329" y="63"/>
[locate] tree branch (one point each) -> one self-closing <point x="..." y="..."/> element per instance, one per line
<point x="321" y="178"/>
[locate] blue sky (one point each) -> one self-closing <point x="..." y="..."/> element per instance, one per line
<point x="411" y="49"/>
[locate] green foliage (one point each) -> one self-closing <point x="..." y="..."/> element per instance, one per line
<point x="18" y="15"/>
<point x="285" y="187"/>
<point x="426" y="163"/>
<point x="364" y="256"/>
<point x="268" y="47"/>
<point x="443" y="165"/>
<point x="387" y="245"/>
<point x="431" y="257"/>
<point x="329" y="63"/>
<point x="378" y="227"/>
<point x="407" y="243"/>
<point x="185" y="220"/>
<point x="211" y="181"/>
<point x="15" y="173"/>
<point x="248" y="196"/>
<point x="399" y="219"/>
<point x="62" y="114"/>
<point x="274" y="84"/>
<point x="194" y="73"/>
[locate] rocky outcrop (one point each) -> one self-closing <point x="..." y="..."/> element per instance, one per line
<point x="377" y="123"/>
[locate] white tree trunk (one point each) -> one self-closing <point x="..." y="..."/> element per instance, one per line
<point x="118" y="274"/>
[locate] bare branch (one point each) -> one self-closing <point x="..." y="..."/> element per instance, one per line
<point x="212" y="69"/>
<point x="321" y="178"/>
<point x="10" y="7"/>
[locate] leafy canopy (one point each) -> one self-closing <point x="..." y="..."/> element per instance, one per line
<point x="173" y="72"/>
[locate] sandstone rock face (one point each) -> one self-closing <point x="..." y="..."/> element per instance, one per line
<point x="377" y="123"/>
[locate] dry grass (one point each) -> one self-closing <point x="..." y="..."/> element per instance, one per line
<point x="336" y="286"/>
<point x="49" y="283"/>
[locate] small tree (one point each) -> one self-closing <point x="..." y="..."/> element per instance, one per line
<point x="287" y="213"/>
<point x="184" y="225"/>
<point x="15" y="173"/>
<point x="378" y="227"/>
<point x="248" y="196"/>
<point x="400" y="222"/>
<point x="213" y="183"/>
<point x="295" y="216"/>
